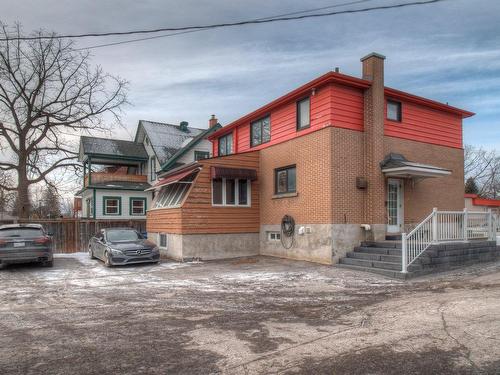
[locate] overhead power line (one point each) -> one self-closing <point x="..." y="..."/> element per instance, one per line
<point x="199" y="30"/>
<point x="226" y="24"/>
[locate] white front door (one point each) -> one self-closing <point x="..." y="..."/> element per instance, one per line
<point x="394" y="206"/>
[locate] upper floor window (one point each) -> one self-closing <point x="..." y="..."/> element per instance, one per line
<point x="303" y="113"/>
<point x="393" y="110"/>
<point x="199" y="155"/>
<point x="260" y="131"/>
<point x="285" y="180"/>
<point x="226" y="144"/>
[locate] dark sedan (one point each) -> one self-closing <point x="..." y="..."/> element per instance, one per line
<point x="115" y="246"/>
<point x="25" y="243"/>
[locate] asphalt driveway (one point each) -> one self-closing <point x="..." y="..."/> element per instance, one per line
<point x="250" y="316"/>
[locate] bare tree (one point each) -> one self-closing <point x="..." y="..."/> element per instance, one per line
<point x="49" y="93"/>
<point x="483" y="167"/>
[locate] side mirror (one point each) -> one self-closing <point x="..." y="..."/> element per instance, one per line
<point x="50" y="234"/>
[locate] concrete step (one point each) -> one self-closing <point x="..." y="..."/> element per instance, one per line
<point x="371" y="263"/>
<point x="379" y="271"/>
<point x="383" y="244"/>
<point x="377" y="250"/>
<point x="393" y="237"/>
<point x="375" y="256"/>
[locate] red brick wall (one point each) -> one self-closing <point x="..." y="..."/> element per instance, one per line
<point x="446" y="193"/>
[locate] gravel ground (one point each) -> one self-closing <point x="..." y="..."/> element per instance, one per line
<point x="249" y="316"/>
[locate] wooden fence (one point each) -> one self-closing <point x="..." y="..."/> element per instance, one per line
<point x="73" y="235"/>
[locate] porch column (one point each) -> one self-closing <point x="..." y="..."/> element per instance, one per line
<point x="90" y="171"/>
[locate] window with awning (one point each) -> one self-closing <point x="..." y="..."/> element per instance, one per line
<point x="240" y="173"/>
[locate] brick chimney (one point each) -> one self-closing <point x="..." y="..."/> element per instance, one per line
<point x="213" y="121"/>
<point x="373" y="70"/>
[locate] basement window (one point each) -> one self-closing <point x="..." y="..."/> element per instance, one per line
<point x="394" y="110"/>
<point x="273" y="236"/>
<point x="163" y="240"/>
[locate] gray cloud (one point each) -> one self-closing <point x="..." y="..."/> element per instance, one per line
<point x="447" y="51"/>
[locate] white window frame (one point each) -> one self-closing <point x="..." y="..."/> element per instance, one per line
<point x="275" y="234"/>
<point x="118" y="206"/>
<point x="131" y="208"/>
<point x="236" y="193"/>
<point x="166" y="241"/>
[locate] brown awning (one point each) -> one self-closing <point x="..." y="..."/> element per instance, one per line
<point x="241" y="173"/>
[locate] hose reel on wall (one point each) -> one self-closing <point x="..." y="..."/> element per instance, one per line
<point x="287" y="231"/>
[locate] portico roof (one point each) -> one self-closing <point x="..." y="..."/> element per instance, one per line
<point x="396" y="165"/>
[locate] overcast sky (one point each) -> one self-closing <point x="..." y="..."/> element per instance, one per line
<point x="448" y="51"/>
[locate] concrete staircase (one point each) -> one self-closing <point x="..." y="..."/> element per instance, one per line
<point x="382" y="257"/>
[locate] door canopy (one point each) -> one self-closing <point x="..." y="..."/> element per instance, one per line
<point x="396" y="165"/>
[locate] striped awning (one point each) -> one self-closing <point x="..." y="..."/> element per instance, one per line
<point x="241" y="173"/>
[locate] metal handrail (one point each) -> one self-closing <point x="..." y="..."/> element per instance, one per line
<point x="445" y="226"/>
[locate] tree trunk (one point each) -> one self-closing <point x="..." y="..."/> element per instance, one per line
<point x="23" y="197"/>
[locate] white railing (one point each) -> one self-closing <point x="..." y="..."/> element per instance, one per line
<point x="447" y="226"/>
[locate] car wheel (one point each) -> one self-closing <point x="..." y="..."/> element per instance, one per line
<point x="91" y="252"/>
<point x="107" y="261"/>
<point x="49" y="263"/>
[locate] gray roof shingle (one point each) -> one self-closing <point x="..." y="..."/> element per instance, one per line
<point x="112" y="147"/>
<point x="167" y="139"/>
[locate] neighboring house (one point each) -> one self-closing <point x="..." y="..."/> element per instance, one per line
<point x="126" y="169"/>
<point x="474" y="202"/>
<point x="169" y="146"/>
<point x="117" y="190"/>
<point x="347" y="158"/>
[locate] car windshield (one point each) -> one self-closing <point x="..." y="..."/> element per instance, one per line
<point x="21" y="232"/>
<point x="122" y="235"/>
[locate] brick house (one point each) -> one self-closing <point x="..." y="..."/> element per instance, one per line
<point x="347" y="158"/>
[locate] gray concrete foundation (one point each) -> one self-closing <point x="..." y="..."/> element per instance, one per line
<point x="185" y="247"/>
<point x="320" y="243"/>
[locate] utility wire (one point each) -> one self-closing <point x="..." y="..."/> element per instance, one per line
<point x="198" y="30"/>
<point x="227" y="24"/>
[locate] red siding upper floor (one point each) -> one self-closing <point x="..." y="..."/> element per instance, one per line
<point x="423" y="122"/>
<point x="339" y="102"/>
